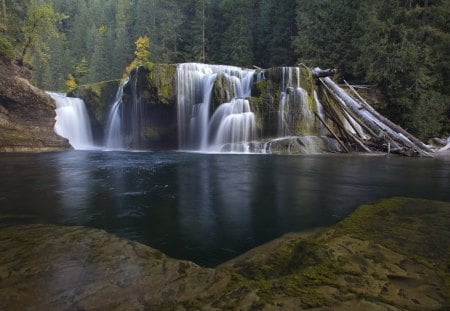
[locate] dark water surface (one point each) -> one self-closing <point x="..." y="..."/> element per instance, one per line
<point x="203" y="207"/>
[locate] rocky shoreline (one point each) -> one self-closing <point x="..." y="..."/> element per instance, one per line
<point x="390" y="255"/>
<point x="27" y="115"/>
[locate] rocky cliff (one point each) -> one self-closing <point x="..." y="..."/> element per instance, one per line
<point x="27" y="115"/>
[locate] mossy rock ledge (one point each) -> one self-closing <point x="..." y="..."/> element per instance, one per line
<point x="390" y="255"/>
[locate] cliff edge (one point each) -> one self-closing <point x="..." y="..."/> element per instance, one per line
<point x="27" y="114"/>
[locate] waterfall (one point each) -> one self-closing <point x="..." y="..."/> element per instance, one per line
<point x="233" y="125"/>
<point x="199" y="126"/>
<point x="290" y="80"/>
<point x="114" y="137"/>
<point x="127" y="121"/>
<point x="72" y="121"/>
<point x="296" y="112"/>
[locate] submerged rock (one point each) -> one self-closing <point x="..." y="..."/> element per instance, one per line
<point x="385" y="256"/>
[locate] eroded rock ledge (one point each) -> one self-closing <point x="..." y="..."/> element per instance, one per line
<point x="27" y="117"/>
<point x="391" y="255"/>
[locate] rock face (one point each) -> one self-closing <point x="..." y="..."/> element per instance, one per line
<point x="98" y="98"/>
<point x="151" y="93"/>
<point x="391" y="255"/>
<point x="27" y="118"/>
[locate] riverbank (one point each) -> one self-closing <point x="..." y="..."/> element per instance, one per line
<point x="393" y="254"/>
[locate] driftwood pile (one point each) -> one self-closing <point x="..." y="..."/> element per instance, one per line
<point x="368" y="130"/>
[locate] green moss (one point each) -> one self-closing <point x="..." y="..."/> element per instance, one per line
<point x="260" y="88"/>
<point x="379" y="222"/>
<point x="6" y="49"/>
<point x="161" y="82"/>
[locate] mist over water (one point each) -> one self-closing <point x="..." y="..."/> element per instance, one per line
<point x="207" y="208"/>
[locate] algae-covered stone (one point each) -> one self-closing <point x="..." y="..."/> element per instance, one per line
<point x="152" y="93"/>
<point x="390" y="255"/>
<point x="161" y="80"/>
<point x="223" y="91"/>
<point x="299" y="105"/>
<point x="393" y="254"/>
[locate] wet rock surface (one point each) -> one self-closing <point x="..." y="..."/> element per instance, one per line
<point x="391" y="255"/>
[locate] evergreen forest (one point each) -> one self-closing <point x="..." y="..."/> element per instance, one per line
<point x="400" y="48"/>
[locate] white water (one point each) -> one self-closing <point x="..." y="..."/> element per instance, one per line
<point x="200" y="128"/>
<point x="232" y="126"/>
<point x="293" y="105"/>
<point x="114" y="138"/>
<point x="290" y="78"/>
<point x="72" y="121"/>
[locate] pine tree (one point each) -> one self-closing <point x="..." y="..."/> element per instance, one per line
<point x="81" y="69"/>
<point x="122" y="44"/>
<point x="237" y="46"/>
<point x="100" y="63"/>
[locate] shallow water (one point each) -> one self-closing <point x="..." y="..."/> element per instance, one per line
<point x="206" y="208"/>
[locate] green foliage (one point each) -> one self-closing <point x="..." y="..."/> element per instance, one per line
<point x="142" y="52"/>
<point x="71" y="84"/>
<point x="6" y="50"/>
<point x="142" y="55"/>
<point x="40" y="24"/>
<point x="81" y="69"/>
<point x="400" y="48"/>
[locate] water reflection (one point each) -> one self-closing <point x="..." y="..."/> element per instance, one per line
<point x="206" y="208"/>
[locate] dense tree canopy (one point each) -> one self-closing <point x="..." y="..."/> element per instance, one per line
<point x="398" y="46"/>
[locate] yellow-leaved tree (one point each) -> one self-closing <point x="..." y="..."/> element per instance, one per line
<point x="71" y="83"/>
<point x="141" y="55"/>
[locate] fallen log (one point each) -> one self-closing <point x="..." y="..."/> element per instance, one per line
<point x="394" y="126"/>
<point x="321" y="73"/>
<point x="328" y="128"/>
<point x="376" y="124"/>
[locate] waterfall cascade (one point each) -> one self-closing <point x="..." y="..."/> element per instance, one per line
<point x="72" y="121"/>
<point x="114" y="138"/>
<point x="294" y="106"/>
<point x="231" y="126"/>
<point x="126" y="123"/>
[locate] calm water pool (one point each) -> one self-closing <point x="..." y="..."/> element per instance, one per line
<point x="205" y="207"/>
